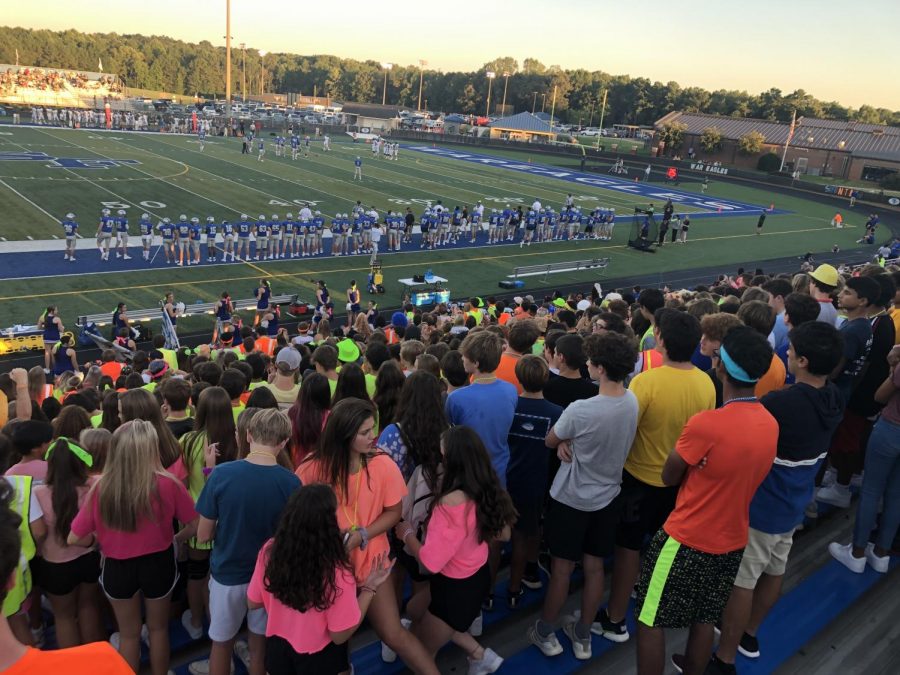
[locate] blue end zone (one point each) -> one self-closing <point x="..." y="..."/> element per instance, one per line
<point x="711" y="207"/>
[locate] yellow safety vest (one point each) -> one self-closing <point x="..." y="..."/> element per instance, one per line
<point x="21" y="504"/>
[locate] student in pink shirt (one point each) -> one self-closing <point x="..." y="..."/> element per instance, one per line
<point x="30" y="438"/>
<point x="129" y="513"/>
<point x="468" y="512"/>
<point x="68" y="574"/>
<point x="304" y="580"/>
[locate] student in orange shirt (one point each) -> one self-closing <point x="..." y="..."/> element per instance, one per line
<point x="523" y="333"/>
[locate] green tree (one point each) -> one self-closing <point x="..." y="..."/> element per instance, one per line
<point x="751" y="143"/>
<point x="711" y="140"/>
<point x="672" y="134"/>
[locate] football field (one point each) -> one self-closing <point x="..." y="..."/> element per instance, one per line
<point x="47" y="172"/>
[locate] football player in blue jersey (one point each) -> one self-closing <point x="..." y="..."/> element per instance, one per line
<point x="122" y="235"/>
<point x="295" y="146"/>
<point x="262" y="237"/>
<point x="531" y="219"/>
<point x="474" y="225"/>
<point x="287" y="234"/>
<point x="425" y="228"/>
<point x="196" y="234"/>
<point x="211" y="231"/>
<point x="145" y="230"/>
<point x="70" y="231"/>
<point x="183" y="238"/>
<point x="357" y="168"/>
<point x="227" y="241"/>
<point x="167" y="230"/>
<point x="493" y="226"/>
<point x="244" y="229"/>
<point x="455" y="224"/>
<point x="506" y="228"/>
<point x="201" y="137"/>
<point x="105" y="233"/>
<point x="319" y="222"/>
<point x="262" y="150"/>
<point x="276" y="237"/>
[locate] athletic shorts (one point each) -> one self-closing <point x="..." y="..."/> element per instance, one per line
<point x="70" y="238"/>
<point x="764" y="554"/>
<point x="63" y="578"/>
<point x="195" y="244"/>
<point x="572" y="533"/>
<point x="183" y="244"/>
<point x="457" y="602"/>
<point x="227" y="609"/>
<point x="281" y="659"/>
<point x="154" y="575"/>
<point x="529" y="509"/>
<point x="851" y="435"/>
<point x="644" y="510"/>
<point x="146" y="239"/>
<point x="680" y="585"/>
<point x="262" y="242"/>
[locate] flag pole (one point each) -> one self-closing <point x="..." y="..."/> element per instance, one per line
<point x="788" y="141"/>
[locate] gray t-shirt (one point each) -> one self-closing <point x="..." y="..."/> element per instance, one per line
<point x="828" y="314"/>
<point x="601" y="429"/>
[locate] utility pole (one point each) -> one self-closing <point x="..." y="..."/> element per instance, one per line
<point x="788" y="141"/>
<point x="387" y="67"/>
<point x="490" y="76"/>
<point x="602" y="113"/>
<point x="243" y="72"/>
<point x="543" y="100"/>
<point x="552" y="107"/>
<point x="422" y="64"/>
<point x="505" y="85"/>
<point x="534" y="102"/>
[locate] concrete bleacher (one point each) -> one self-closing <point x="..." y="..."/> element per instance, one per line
<point x="56" y="87"/>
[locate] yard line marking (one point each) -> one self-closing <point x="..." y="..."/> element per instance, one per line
<point x="257" y="267"/>
<point x="42" y="210"/>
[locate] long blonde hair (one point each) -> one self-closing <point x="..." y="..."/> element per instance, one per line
<point x="127" y="487"/>
<point x="140" y="404"/>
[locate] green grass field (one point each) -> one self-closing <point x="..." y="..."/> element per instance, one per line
<point x="174" y="177"/>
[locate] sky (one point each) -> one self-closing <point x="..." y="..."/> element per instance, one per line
<point x="833" y="50"/>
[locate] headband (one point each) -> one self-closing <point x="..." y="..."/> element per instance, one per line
<point x="74" y="448"/>
<point x="734" y="369"/>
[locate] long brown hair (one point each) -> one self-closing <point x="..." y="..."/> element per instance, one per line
<point x="214" y="423"/>
<point x="66" y="472"/>
<point x="140" y="404"/>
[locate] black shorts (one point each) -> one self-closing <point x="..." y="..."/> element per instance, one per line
<point x="154" y="575"/>
<point x="63" y="578"/>
<point x="281" y="659"/>
<point x="457" y="602"/>
<point x="411" y="565"/>
<point x="680" y="585"/>
<point x="572" y="534"/>
<point x="644" y="510"/>
<point x="529" y="509"/>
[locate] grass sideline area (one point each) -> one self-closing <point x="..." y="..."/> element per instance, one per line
<point x="171" y="176"/>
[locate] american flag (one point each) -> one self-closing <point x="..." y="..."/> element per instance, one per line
<point x="169" y="331"/>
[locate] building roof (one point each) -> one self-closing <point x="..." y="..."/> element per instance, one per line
<point x="374" y="110"/>
<point x="524" y="121"/>
<point x="872" y="141"/>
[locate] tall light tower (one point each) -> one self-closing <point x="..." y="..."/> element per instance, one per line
<point x="244" y="72"/>
<point x="505" y="85"/>
<point x="387" y="67"/>
<point x="490" y="76"/>
<point x="422" y="64"/>
<point x="262" y="71"/>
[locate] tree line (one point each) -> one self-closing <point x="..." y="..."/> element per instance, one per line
<point x="163" y="64"/>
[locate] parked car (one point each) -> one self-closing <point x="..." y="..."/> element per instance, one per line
<point x="590" y="131"/>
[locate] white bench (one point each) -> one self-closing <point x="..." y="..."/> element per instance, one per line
<point x="558" y="267"/>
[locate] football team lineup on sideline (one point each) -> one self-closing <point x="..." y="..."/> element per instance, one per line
<point x="323" y="356"/>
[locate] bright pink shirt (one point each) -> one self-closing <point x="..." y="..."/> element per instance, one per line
<point x="307" y="632"/>
<point x="451" y="543"/>
<point x="152" y="535"/>
<point x="36" y="468"/>
<point x="53" y="549"/>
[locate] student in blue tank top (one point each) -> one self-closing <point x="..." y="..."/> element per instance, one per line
<point x="52" y="326"/>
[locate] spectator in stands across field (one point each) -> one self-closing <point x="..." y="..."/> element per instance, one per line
<point x="668" y="397"/>
<point x="807" y="414"/>
<point x="692" y="561"/>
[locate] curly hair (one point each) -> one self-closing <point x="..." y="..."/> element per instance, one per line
<point x="307" y="551"/>
<point x="467" y="467"/>
<point x="422" y="421"/>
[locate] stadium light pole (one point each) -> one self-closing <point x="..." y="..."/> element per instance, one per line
<point x="387" y="67"/>
<point x="422" y="64"/>
<point x="262" y="72"/>
<point x="543" y="100"/>
<point x="490" y="76"/>
<point x="243" y="72"/>
<point x="602" y="113"/>
<point x="552" y="107"/>
<point x="534" y="102"/>
<point x="227" y="62"/>
<point x="505" y="85"/>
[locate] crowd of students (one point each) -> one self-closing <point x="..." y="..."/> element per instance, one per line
<point x="292" y="493"/>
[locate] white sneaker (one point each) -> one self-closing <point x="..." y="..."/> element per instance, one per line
<point x="202" y="667"/>
<point x="581" y="647"/>
<point x="829" y="477"/>
<point x="127" y="257"/>
<point x="242" y="651"/>
<point x="145" y="637"/>
<point x="489" y="663"/>
<point x="878" y="563"/>
<point x="194" y="632"/>
<point x="856" y="480"/>
<point x="549" y="645"/>
<point x="836" y="495"/>
<point x="844" y="555"/>
<point x="388" y="655"/>
<point x="477" y="627"/>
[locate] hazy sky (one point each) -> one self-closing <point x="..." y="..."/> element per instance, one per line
<point x="840" y="51"/>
